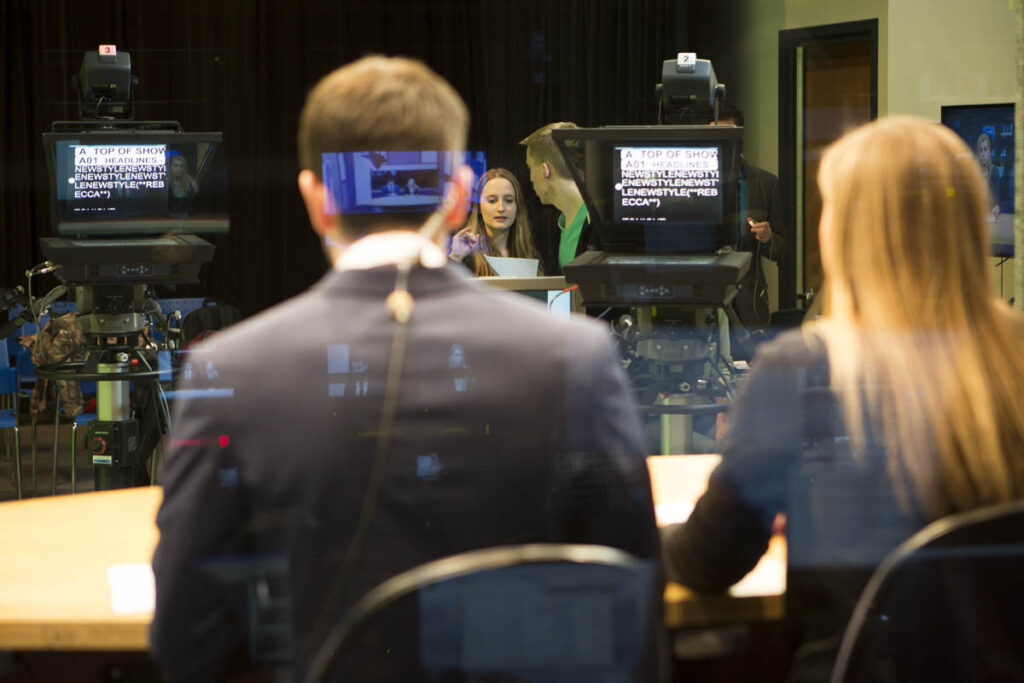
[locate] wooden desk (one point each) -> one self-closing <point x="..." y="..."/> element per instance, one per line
<point x="55" y="592"/>
<point x="677" y="481"/>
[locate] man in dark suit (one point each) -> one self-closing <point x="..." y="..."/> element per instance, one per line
<point x="395" y="413"/>
<point x="761" y="206"/>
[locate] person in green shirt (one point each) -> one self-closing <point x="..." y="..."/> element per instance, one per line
<point x="553" y="183"/>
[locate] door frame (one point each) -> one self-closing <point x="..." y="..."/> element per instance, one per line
<point x="789" y="41"/>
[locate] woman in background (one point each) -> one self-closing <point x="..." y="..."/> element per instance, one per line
<point x="498" y="226"/>
<point x="902" y="405"/>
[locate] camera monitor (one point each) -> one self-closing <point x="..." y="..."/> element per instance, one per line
<point x="660" y="189"/>
<point x="130" y="183"/>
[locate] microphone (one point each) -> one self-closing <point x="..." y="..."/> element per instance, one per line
<point x="400" y="303"/>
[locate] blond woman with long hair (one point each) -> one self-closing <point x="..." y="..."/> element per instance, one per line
<point x="905" y="402"/>
<point x="498" y="226"/>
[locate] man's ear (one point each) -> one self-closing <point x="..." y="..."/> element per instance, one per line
<point x="313" y="194"/>
<point x="451" y="215"/>
<point x="456" y="203"/>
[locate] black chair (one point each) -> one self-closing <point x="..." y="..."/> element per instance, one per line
<point x="537" y="613"/>
<point x="946" y="605"/>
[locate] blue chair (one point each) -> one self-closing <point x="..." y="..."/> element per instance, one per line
<point x="23" y="357"/>
<point x="9" y="410"/>
<point x="78" y="421"/>
<point x="184" y="306"/>
<point x="25" y="374"/>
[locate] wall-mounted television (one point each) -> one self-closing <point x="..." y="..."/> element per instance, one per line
<point x="988" y="129"/>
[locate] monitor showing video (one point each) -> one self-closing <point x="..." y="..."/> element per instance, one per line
<point x="988" y="131"/>
<point x="134" y="183"/>
<point x="388" y="181"/>
<point x="661" y="189"/>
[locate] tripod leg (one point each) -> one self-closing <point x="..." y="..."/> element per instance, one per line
<point x="74" y="441"/>
<point x="56" y="443"/>
<point x="17" y="461"/>
<point x="35" y="485"/>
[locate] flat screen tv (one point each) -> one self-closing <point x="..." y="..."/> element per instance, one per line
<point x="129" y="183"/>
<point x="988" y="129"/>
<point x="660" y="189"/>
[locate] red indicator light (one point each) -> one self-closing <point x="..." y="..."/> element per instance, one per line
<point x="224" y="441"/>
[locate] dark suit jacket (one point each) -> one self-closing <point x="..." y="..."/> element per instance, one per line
<point x="511" y="426"/>
<point x="763" y="203"/>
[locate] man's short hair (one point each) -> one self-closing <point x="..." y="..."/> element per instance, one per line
<point x="542" y="149"/>
<point x="730" y="112"/>
<point x="380" y="103"/>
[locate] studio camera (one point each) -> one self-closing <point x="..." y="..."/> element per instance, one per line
<point x="665" y="203"/>
<point x="128" y="201"/>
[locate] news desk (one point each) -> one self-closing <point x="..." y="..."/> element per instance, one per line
<point x="75" y="570"/>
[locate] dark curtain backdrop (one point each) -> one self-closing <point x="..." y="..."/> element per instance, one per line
<point x="243" y="67"/>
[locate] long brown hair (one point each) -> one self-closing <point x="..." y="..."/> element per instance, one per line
<point x="922" y="353"/>
<point x="520" y="236"/>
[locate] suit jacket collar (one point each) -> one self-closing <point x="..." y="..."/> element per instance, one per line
<point x="380" y="281"/>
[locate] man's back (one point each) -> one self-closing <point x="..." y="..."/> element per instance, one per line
<point x="511" y="426"/>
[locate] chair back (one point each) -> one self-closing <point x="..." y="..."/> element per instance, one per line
<point x="948" y="604"/>
<point x="539" y="612"/>
<point x="8" y="374"/>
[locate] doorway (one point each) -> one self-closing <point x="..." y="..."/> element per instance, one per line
<point x="828" y="84"/>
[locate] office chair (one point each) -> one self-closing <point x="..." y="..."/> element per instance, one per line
<point x="946" y="605"/>
<point x="9" y="410"/>
<point x="538" y="613"/>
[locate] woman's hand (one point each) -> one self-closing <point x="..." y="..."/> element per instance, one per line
<point x="463" y="243"/>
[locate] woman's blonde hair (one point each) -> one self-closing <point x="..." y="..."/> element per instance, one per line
<point x="520" y="237"/>
<point x="922" y="354"/>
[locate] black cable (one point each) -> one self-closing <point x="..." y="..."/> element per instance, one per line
<point x="158" y="393"/>
<point x="730" y="391"/>
<point x="726" y="383"/>
<point x="45" y="302"/>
